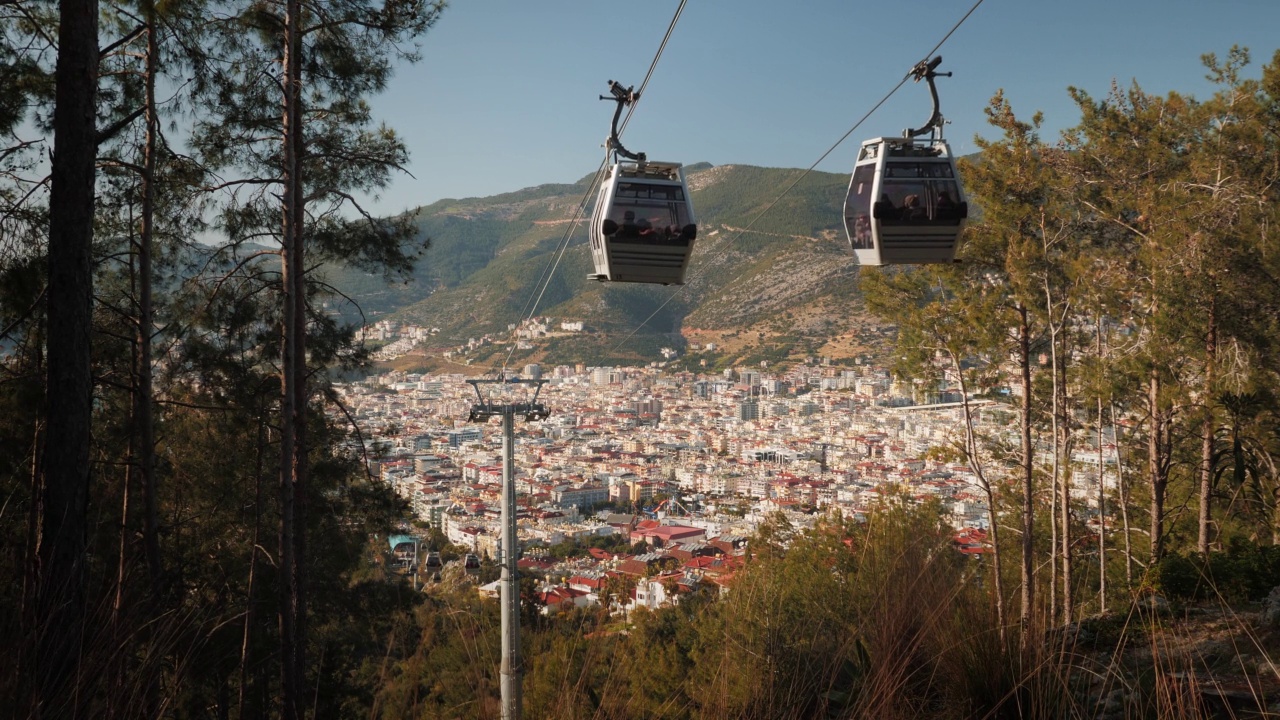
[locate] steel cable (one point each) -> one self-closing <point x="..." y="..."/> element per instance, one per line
<point x="733" y="238"/>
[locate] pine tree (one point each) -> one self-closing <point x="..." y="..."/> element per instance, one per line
<point x="331" y="55"/>
<point x="1005" y="256"/>
<point x="1125" y="156"/>
<point x="950" y="315"/>
<point x="60" y="606"/>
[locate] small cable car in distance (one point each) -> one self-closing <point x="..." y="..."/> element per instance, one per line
<point x="643" y="227"/>
<point x="905" y="203"/>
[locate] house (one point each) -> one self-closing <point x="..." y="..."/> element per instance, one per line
<point x="490" y="591"/>
<point x="589" y="582"/>
<point x="653" y="593"/>
<point x="665" y="535"/>
<point x="972" y="541"/>
<point x="536" y="566"/>
<point x="561" y="597"/>
<point x="623" y="522"/>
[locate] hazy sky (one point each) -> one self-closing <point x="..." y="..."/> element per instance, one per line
<point x="505" y="95"/>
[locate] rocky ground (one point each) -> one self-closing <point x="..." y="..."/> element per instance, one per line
<point x="1201" y="661"/>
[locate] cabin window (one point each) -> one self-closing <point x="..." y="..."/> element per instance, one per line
<point x="857" y="208"/>
<point x="946" y="200"/>
<point x="917" y="170"/>
<point x="923" y="199"/>
<point x="908" y="198"/>
<point x="649" y="212"/>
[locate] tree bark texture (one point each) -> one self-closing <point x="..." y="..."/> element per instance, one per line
<point x="293" y="378"/>
<point x="1207" y="428"/>
<point x="144" y="412"/>
<point x="1155" y="465"/>
<point x="64" y="491"/>
<point x="1028" y="486"/>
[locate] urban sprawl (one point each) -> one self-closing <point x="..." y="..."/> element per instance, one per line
<point x="689" y="464"/>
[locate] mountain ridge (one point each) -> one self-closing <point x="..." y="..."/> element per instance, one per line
<point x="771" y="278"/>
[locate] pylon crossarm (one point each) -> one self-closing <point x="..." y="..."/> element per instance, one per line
<point x="486" y="409"/>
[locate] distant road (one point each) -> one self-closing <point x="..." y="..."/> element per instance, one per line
<point x="581" y="220"/>
<point x="939" y="406"/>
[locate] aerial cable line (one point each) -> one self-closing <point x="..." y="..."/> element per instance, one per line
<point x="703" y="268"/>
<point x="544" y="281"/>
<point x="549" y="270"/>
<point x="652" y="66"/>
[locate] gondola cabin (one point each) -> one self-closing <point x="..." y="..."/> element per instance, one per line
<point x="905" y="203"/>
<point x="643" y="227"/>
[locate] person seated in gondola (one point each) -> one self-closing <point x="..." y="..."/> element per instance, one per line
<point x="862" y="233"/>
<point x="628" y="228"/>
<point x="911" y="209"/>
<point x="644" y="228"/>
<point x="885" y="208"/>
<point x="946" y="206"/>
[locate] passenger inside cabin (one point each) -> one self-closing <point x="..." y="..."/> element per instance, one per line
<point x="911" y="209"/>
<point x="628" y="229"/>
<point x="946" y="206"/>
<point x="862" y="233"/>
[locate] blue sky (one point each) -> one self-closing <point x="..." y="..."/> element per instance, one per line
<point x="505" y="95"/>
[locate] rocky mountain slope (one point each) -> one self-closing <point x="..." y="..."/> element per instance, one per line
<point x="769" y="279"/>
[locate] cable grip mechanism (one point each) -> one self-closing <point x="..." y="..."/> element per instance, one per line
<point x="927" y="70"/>
<point x="623" y="96"/>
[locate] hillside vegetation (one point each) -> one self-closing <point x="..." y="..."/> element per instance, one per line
<point x="787" y="287"/>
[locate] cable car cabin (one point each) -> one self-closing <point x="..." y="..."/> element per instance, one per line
<point x="905" y="203"/>
<point x="643" y="226"/>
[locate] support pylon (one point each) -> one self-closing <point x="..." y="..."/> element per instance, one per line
<point x="511" y="673"/>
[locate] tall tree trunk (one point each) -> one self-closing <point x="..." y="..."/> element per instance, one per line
<point x="144" y="398"/>
<point x="30" y="574"/>
<point x="975" y="464"/>
<point x="1123" y="487"/>
<point x="1207" y="429"/>
<point x="1102" y="517"/>
<point x="1155" y="466"/>
<point x="64" y="493"/>
<point x="1028" y="487"/>
<point x="1055" y="600"/>
<point x="122" y="559"/>
<point x="121" y="668"/>
<point x="250" y="598"/>
<point x="1061" y="469"/>
<point x="293" y="380"/>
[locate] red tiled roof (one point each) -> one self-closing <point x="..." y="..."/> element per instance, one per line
<point x="594" y="583"/>
<point x="556" y="596"/>
<point x="535" y="564"/>
<point x="632" y="567"/>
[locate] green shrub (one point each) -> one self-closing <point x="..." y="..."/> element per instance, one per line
<point x="1178" y="576"/>
<point x="1240" y="573"/>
